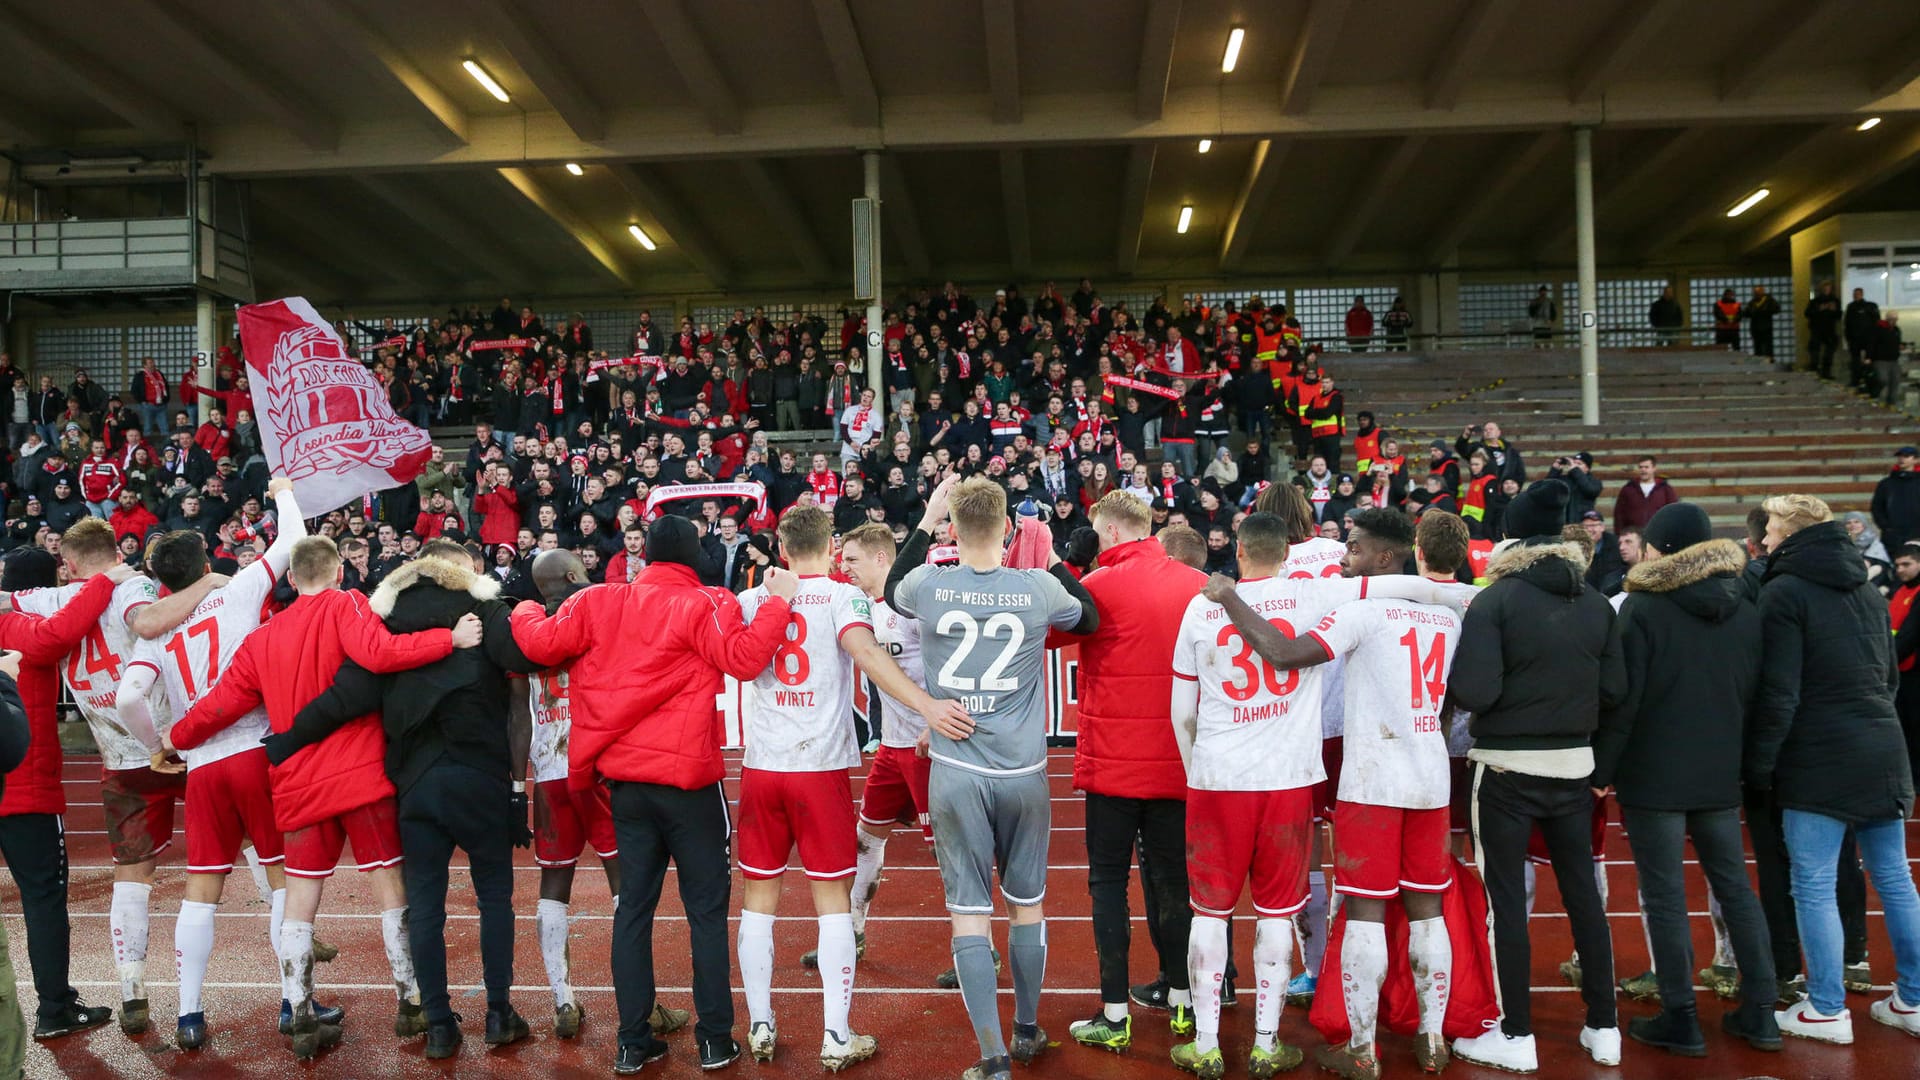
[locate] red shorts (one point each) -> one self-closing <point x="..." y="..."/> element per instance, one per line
<point x="1327" y="792"/>
<point x="1380" y="850"/>
<point x="1537" y="843"/>
<point x="1236" y="835"/>
<point x="374" y="830"/>
<point x="896" y="788"/>
<point x="226" y="799"/>
<point x="565" y="821"/>
<point x="1460" y="808"/>
<point x="139" y="807"/>
<point x="809" y="810"/>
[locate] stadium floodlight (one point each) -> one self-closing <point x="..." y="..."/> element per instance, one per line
<point x="1868" y="124"/>
<point x="1206" y="145"/>
<point x="1186" y="218"/>
<point x="641" y="235"/>
<point x="1749" y="202"/>
<point x="486" y="80"/>
<point x="1232" y="57"/>
<point x="574" y="168"/>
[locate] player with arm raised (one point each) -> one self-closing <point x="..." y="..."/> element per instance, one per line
<point x="228" y="792"/>
<point x="1250" y="735"/>
<point x="897" y="778"/>
<point x="983" y="631"/>
<point x="1390" y="834"/>
<point x="138" y="800"/>
<point x="794" y="790"/>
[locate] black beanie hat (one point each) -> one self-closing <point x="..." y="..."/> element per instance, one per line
<point x="1677" y="526"/>
<point x="673" y="539"/>
<point x="29" y="568"/>
<point x="1540" y="510"/>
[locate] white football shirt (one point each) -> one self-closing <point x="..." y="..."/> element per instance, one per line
<point x="92" y="670"/>
<point x="1259" y="729"/>
<point x="900" y="727"/>
<point x="1398" y="656"/>
<point x="1312" y="558"/>
<point x="800" y="715"/>
<point x="193" y="655"/>
<point x="552" y="725"/>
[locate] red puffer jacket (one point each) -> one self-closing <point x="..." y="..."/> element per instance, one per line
<point x="1125" y="746"/>
<point x="287" y="663"/>
<point x="33" y="787"/>
<point x="647" y="660"/>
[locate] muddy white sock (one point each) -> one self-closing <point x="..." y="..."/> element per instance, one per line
<point x="192" y="948"/>
<point x="393" y="933"/>
<point x="1363" y="968"/>
<point x="756" y="965"/>
<point x="837" y="961"/>
<point x="1272" y="951"/>
<point x="1722" y="944"/>
<point x="296" y="966"/>
<point x="866" y="876"/>
<point x="1206" y="969"/>
<point x="1530" y="873"/>
<point x="1431" y="951"/>
<point x="127" y="920"/>
<point x="550" y="921"/>
<point x="275" y="917"/>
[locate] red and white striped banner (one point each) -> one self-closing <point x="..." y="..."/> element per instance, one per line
<point x="500" y="343"/>
<point x="1143" y="386"/>
<point x="746" y="489"/>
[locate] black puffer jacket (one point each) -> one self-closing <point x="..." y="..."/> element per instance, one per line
<point x="1538" y="656"/>
<point x="454" y="708"/>
<point x="1690" y="638"/>
<point x="1825" y="735"/>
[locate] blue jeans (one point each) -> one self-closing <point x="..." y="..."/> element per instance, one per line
<point x="153" y="422"/>
<point x="1813" y="845"/>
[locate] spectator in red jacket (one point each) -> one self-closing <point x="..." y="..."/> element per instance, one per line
<point x="497" y="506"/>
<point x="1359" y="325"/>
<point x="1126" y="759"/>
<point x="101" y="479"/>
<point x="335" y="790"/>
<point x="214" y="436"/>
<point x="32" y="834"/>
<point x="132" y="518"/>
<point x="643" y="720"/>
<point x="1641" y="498"/>
<point x="438" y="517"/>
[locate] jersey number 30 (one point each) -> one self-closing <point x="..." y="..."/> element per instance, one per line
<point x="970" y="630"/>
<point x="1254" y="669"/>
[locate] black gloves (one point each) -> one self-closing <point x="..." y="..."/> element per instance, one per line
<point x="1083" y="547"/>
<point x="280" y="746"/>
<point x="517" y="826"/>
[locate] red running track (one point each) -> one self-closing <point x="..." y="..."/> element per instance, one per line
<point x="922" y="1031"/>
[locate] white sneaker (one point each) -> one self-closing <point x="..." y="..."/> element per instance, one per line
<point x="1801" y="1019"/>
<point x="836" y="1054"/>
<point x="1896" y="1013"/>
<point x="760" y="1041"/>
<point x="1496" y="1049"/>
<point x="1602" y="1043"/>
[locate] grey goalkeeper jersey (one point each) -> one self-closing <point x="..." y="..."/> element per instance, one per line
<point x="983" y="641"/>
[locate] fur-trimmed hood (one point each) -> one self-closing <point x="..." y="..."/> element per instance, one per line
<point x="1686" y="566"/>
<point x="1556" y="567"/>
<point x="442" y="572"/>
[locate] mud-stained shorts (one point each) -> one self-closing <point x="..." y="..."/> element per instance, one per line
<point x="140" y="805"/>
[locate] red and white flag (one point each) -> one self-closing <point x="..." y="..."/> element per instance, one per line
<point x="324" y="419"/>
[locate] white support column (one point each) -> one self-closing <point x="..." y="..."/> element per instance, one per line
<point x="204" y="345"/>
<point x="876" y="321"/>
<point x="1589" y="290"/>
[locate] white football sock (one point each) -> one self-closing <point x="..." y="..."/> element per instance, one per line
<point x="1530" y="873"/>
<point x="1363" y="968"/>
<point x="258" y="871"/>
<point x="277" y="916"/>
<point x="393" y="932"/>
<point x="1206" y="969"/>
<point x="1431" y="951"/>
<point x="1272" y="951"/>
<point x="1646" y="932"/>
<point x="838" y="958"/>
<point x="756" y="964"/>
<point x="1600" y="881"/>
<point x="192" y="948"/>
<point x="296" y="966"/>
<point x="1722" y="944"/>
<point x="550" y="919"/>
<point x="1180" y="997"/>
<point x="866" y="876"/>
<point x="127" y="919"/>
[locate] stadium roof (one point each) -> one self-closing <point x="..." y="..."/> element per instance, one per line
<point x="1020" y="139"/>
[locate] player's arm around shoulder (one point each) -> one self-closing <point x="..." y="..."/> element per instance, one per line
<point x="727" y="641"/>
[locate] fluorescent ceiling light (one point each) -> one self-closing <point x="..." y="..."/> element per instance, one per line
<point x="1232" y="57"/>
<point x="1748" y="203"/>
<point x="574" y="168"/>
<point x="1206" y="145"/>
<point x="1186" y="218"/>
<point x="641" y="235"/>
<point x="485" y="80"/>
<point x="1868" y="124"/>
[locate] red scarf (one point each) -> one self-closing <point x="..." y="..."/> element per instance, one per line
<point x="557" y="391"/>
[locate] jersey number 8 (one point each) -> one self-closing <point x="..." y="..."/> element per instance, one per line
<point x="790" y="664"/>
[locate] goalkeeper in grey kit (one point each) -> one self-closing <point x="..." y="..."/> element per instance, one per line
<point x="983" y="637"/>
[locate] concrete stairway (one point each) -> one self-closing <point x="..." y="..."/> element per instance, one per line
<point x="1727" y="431"/>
